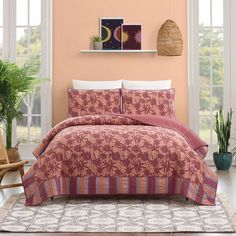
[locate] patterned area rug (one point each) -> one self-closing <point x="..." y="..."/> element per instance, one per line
<point x="166" y="214"/>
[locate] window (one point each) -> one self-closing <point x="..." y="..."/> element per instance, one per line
<point x="28" y="51"/>
<point x="25" y="39"/>
<point x="212" y="68"/>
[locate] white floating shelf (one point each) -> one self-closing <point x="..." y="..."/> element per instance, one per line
<point x="118" y="51"/>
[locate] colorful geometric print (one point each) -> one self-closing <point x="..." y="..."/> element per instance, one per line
<point x="110" y="30"/>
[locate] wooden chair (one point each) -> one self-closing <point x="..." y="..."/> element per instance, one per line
<point x="4" y="168"/>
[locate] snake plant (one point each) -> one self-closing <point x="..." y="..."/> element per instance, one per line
<point x="222" y="129"/>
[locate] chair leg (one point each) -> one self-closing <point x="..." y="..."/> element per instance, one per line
<point x="1" y="177"/>
<point x="3" y="172"/>
<point x="21" y="169"/>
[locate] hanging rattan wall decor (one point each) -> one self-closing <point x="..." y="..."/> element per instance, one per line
<point x="169" y="40"/>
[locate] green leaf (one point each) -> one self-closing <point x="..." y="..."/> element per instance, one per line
<point x="15" y="83"/>
<point x="223" y="130"/>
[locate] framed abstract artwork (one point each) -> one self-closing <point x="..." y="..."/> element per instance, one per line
<point x="131" y="37"/>
<point x="110" y="32"/>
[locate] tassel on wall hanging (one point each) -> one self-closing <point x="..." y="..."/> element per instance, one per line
<point x="170" y="40"/>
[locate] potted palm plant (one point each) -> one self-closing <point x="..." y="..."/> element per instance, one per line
<point x="223" y="158"/>
<point x="15" y="84"/>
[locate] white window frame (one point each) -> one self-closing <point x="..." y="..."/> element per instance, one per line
<point x="9" y="52"/>
<point x="193" y="64"/>
<point x="232" y="36"/>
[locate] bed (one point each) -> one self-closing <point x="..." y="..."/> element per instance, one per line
<point x="119" y="154"/>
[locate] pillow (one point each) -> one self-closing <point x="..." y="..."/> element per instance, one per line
<point x="149" y="102"/>
<point x="92" y="102"/>
<point x="81" y="84"/>
<point x="146" y="85"/>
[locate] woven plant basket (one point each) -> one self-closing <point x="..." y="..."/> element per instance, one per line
<point x="169" y="40"/>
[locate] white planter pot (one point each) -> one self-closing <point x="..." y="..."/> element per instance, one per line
<point x="97" y="45"/>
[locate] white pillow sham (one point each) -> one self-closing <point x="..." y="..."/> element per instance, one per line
<point x="90" y="85"/>
<point x="146" y="85"/>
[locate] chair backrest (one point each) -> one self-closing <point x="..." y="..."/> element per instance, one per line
<point x="3" y="151"/>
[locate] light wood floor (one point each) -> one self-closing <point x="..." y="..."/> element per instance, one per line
<point x="227" y="185"/>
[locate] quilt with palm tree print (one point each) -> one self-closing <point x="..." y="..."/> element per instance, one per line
<point x="120" y="155"/>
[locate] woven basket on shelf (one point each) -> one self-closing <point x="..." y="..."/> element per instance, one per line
<point x="169" y="40"/>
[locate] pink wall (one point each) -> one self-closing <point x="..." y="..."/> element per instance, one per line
<point x="76" y="21"/>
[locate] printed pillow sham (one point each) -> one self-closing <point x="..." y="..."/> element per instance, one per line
<point x="92" y="102"/>
<point x="149" y="102"/>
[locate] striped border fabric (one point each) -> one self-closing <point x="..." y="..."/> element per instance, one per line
<point x="201" y="194"/>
